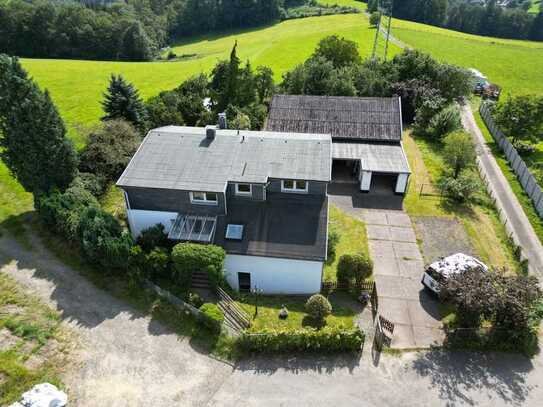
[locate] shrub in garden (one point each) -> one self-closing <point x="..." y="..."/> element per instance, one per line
<point x="152" y="237"/>
<point x="190" y="257"/>
<point x="333" y="240"/>
<point x="326" y="340"/>
<point x="356" y="267"/>
<point x="62" y="211"/>
<point x="213" y="317"/>
<point x="158" y="261"/>
<point x="102" y="239"/>
<point x="461" y="189"/>
<point x="444" y="122"/>
<point x="195" y="300"/>
<point x="318" y="307"/>
<point x="93" y="183"/>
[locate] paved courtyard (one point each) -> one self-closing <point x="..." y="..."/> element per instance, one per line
<point x="398" y="268"/>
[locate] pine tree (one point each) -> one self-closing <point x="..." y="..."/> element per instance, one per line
<point x="33" y="139"/>
<point x="122" y="101"/>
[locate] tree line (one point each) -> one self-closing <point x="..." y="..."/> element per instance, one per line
<point x="489" y="19"/>
<point x="133" y="30"/>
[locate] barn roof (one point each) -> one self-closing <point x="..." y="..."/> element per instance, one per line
<point x="347" y="118"/>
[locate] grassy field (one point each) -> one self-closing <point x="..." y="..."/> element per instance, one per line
<point x="77" y="86"/>
<point x="353" y="239"/>
<point x="514" y="65"/>
<point x="536" y="6"/>
<point x="487" y="235"/>
<point x="33" y="346"/>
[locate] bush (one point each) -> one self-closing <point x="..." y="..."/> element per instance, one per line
<point x="93" y="183"/>
<point x="153" y="237"/>
<point x="374" y="18"/>
<point x="109" y="150"/>
<point x="355" y="267"/>
<point x="172" y="55"/>
<point x="444" y="122"/>
<point x="137" y="267"/>
<point x="333" y="240"/>
<point x="195" y="300"/>
<point x="158" y="261"/>
<point x="212" y="317"/>
<point x="62" y="211"/>
<point x="190" y="257"/>
<point x="459" y="152"/>
<point x="318" y="307"/>
<point x="326" y="340"/>
<point x="461" y="189"/>
<point x="102" y="240"/>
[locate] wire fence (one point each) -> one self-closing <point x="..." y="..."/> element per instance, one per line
<point x="523" y="173"/>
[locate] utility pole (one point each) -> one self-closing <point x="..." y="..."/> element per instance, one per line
<point x="385" y="10"/>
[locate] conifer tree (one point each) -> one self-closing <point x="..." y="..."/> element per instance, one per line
<point x="122" y="101"/>
<point x="33" y="141"/>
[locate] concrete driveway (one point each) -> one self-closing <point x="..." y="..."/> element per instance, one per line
<point x="398" y="268"/>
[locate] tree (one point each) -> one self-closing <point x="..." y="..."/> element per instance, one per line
<point x="122" y="101"/>
<point x="164" y="109"/>
<point x="33" y="141"/>
<point x="339" y="51"/>
<point x="137" y="46"/>
<point x="109" y="149"/>
<point x="375" y="18"/>
<point x="536" y="32"/>
<point x="521" y="118"/>
<point x="459" y="152"/>
<point x="356" y="267"/>
<point x="318" y="74"/>
<point x="444" y="122"/>
<point x="264" y="83"/>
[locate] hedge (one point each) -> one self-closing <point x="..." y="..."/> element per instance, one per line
<point x="212" y="317"/>
<point x="325" y="340"/>
<point x="190" y="257"/>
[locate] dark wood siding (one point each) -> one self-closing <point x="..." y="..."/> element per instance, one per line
<point x="169" y="200"/>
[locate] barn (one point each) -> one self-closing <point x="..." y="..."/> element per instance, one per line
<point x="366" y="137"/>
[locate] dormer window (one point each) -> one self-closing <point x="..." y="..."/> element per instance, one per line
<point x="244" y="189"/>
<point x="204" y="198"/>
<point x="296" y="186"/>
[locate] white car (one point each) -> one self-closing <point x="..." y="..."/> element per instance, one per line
<point x="437" y="273"/>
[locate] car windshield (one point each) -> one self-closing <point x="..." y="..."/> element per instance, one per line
<point x="435" y="275"/>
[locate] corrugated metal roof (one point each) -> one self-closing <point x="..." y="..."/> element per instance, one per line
<point x="182" y="158"/>
<point x="376" y="119"/>
<point x="373" y="157"/>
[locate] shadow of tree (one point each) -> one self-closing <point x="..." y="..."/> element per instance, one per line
<point x="457" y="375"/>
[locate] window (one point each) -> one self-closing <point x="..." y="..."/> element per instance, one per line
<point x="234" y="232"/>
<point x="244" y="189"/>
<point x="194" y="228"/>
<point x="204" y="198"/>
<point x="294" y="186"/>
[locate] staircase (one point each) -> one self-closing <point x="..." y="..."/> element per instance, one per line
<point x="234" y="316"/>
<point x="200" y="280"/>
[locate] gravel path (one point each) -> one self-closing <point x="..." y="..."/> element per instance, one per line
<point x="127" y="358"/>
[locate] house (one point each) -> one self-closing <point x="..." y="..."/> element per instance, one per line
<point x="262" y="196"/>
<point x="366" y="133"/>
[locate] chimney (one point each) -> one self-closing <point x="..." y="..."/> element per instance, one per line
<point x="222" y="121"/>
<point x="211" y="131"/>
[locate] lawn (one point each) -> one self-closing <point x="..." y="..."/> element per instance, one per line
<point x="486" y="233"/>
<point x="33" y="345"/>
<point x="269" y="307"/>
<point x="515" y="65"/>
<point x="353" y="239"/>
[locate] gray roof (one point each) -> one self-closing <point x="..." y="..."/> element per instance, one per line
<point x="354" y="118"/>
<point x="182" y="158"/>
<point x="282" y="226"/>
<point x="373" y="157"/>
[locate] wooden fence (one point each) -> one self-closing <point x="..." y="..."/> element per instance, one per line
<point x="523" y="173"/>
<point x="237" y="318"/>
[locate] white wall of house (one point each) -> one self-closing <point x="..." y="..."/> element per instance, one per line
<point x="401" y="184"/>
<point x="275" y="275"/>
<point x="365" y="181"/>
<point x="140" y="220"/>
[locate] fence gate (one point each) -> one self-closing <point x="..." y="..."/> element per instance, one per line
<point x="384" y="331"/>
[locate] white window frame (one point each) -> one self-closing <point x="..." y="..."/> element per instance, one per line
<point x="204" y="201"/>
<point x="295" y="188"/>
<point x="243" y="193"/>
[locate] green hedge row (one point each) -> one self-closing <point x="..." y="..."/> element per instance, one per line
<point x="325" y="340"/>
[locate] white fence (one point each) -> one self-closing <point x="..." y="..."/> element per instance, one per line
<point x="525" y="177"/>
